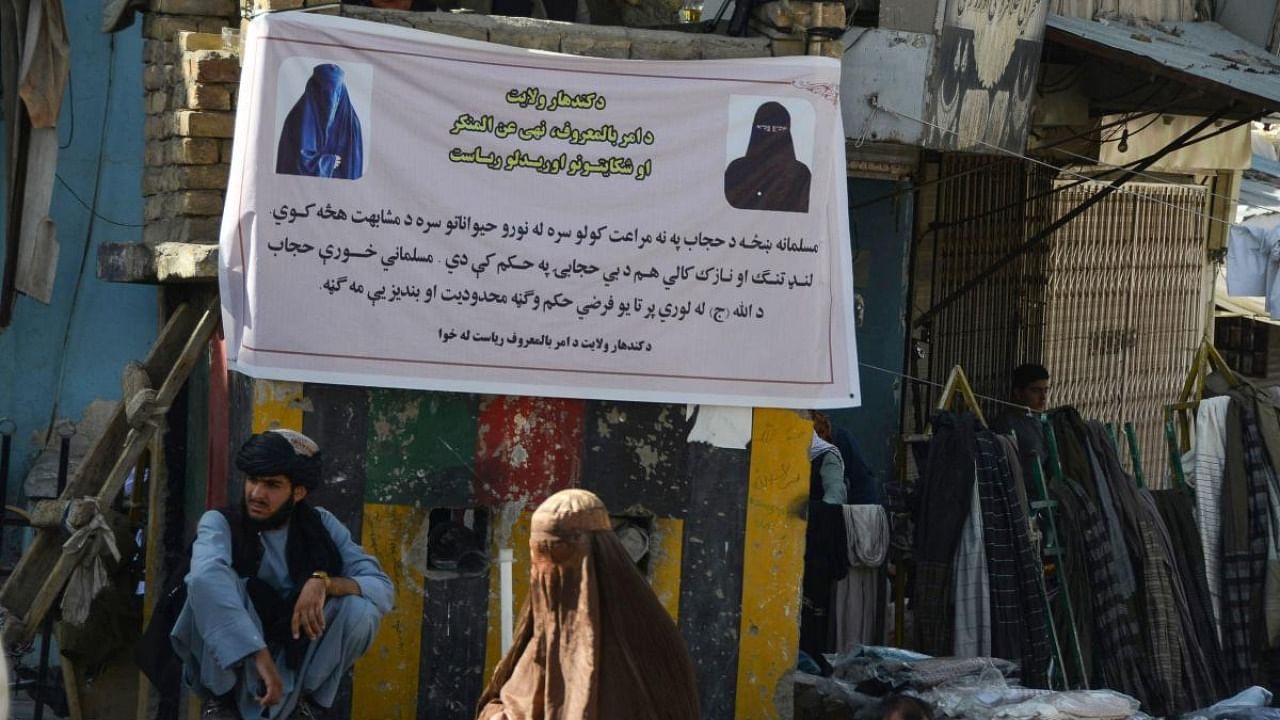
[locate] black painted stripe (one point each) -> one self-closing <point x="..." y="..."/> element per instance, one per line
<point x="634" y="456"/>
<point x="711" y="572"/>
<point x="454" y="630"/>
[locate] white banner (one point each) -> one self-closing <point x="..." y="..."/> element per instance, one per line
<point x="413" y="210"/>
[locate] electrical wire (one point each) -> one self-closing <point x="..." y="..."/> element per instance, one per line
<point x="969" y="171"/>
<point x="923" y="381"/>
<point x="89" y="207"/>
<point x="88" y="238"/>
<point x="1021" y="156"/>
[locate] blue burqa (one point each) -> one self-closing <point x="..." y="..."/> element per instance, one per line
<point x="321" y="135"/>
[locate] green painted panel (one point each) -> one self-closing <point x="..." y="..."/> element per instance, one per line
<point x="422" y="448"/>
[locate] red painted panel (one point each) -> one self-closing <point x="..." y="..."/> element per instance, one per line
<point x="527" y="448"/>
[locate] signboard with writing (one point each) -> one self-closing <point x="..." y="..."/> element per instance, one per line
<point x="413" y="210"/>
<point x="985" y="74"/>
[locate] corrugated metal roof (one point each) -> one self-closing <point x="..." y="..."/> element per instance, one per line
<point x="1198" y="53"/>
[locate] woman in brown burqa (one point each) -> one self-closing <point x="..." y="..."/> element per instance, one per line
<point x="593" y="642"/>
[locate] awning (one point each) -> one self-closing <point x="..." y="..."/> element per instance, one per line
<point x="1198" y="54"/>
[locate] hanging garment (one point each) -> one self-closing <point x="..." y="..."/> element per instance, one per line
<point x="1269" y="426"/>
<point x="1177" y="510"/>
<point x="858" y="593"/>
<point x="1207" y="475"/>
<point x="945" y="494"/>
<point x="1156" y="604"/>
<point x="1019" y="629"/>
<point x="1119" y="643"/>
<point x="321" y="135"/>
<point x="1248" y="254"/>
<point x="825" y="549"/>
<point x="972" y="587"/>
<point x="1245" y="519"/>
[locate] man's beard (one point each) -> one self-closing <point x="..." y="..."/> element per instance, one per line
<point x="275" y="521"/>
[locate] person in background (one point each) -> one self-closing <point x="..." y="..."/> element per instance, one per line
<point x="1030" y="398"/>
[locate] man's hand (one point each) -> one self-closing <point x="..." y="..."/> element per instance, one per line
<point x="274" y="691"/>
<point x="308" y="613"/>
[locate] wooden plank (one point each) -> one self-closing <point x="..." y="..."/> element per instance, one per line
<point x="50" y="585"/>
<point x="771" y="575"/>
<point x="711" y="580"/>
<point x="38" y="562"/>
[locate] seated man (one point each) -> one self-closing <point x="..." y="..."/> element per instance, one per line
<point x="280" y="600"/>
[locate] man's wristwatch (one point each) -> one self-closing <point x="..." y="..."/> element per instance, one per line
<point x="322" y="575"/>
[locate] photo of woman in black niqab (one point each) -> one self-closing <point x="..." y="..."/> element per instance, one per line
<point x="768" y="176"/>
<point x="321" y="135"/>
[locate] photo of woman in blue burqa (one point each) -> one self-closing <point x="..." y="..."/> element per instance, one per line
<point x="321" y="135"/>
<point x="768" y="176"/>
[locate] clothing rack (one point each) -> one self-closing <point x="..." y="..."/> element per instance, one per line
<point x="957" y="387"/>
<point x="1206" y="359"/>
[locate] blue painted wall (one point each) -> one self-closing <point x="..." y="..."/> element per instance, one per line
<point x="881" y="237"/>
<point x="61" y="356"/>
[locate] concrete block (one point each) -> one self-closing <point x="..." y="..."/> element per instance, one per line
<point x="165" y="27"/>
<point x="191" y="41"/>
<point x="153" y="180"/>
<point x="186" y="261"/>
<point x="195" y="151"/>
<point x="154" y="77"/>
<point x="224" y="151"/>
<point x="529" y="33"/>
<point x="264" y="5"/>
<point x="155" y="207"/>
<point x="221" y="8"/>
<point x="204" y="123"/>
<point x="208" y="97"/>
<point x="598" y="41"/>
<point x="210" y="66"/>
<point x="199" y="177"/>
<point x="156" y="127"/>
<point x="787" y="46"/>
<point x="662" y="45"/>
<point x="125" y="262"/>
<point x="463" y="25"/>
<point x="156" y="101"/>
<point x="716" y="47"/>
<point x="197" y="202"/>
<point x="215" y="24"/>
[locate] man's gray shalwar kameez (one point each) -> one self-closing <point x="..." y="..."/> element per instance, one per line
<point x="218" y="630"/>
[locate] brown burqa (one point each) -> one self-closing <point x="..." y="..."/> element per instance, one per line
<point x="593" y="642"/>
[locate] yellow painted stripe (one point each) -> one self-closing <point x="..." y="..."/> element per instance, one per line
<point x="664" y="565"/>
<point x="773" y="564"/>
<point x="519" y="542"/>
<point x="386" y="678"/>
<point x="277" y="404"/>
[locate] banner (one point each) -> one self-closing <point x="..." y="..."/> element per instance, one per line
<point x="413" y="210"/>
